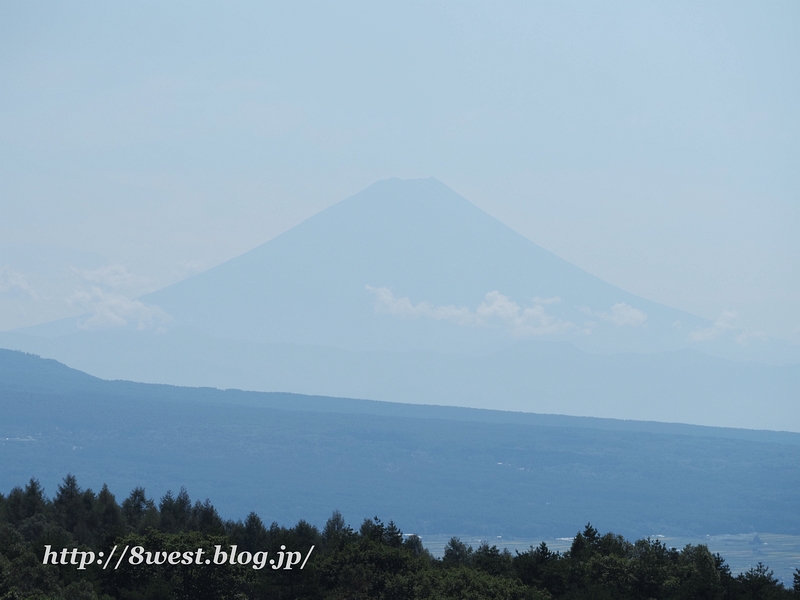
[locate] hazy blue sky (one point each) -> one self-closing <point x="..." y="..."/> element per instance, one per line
<point x="656" y="145"/>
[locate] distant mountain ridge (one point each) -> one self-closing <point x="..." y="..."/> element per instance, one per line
<point x="29" y="373"/>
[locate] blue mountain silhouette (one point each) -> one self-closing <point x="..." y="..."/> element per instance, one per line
<point x="408" y="265"/>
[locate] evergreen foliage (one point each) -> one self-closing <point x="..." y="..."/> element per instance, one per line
<point x="377" y="561"/>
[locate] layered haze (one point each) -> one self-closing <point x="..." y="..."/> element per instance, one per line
<point x="205" y="195"/>
<point x="408" y="292"/>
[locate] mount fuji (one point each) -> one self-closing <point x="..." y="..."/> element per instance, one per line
<point x="409" y="265"/>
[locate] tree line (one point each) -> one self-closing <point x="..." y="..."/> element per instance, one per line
<point x="376" y="561"/>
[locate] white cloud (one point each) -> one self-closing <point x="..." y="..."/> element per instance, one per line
<point x="725" y="322"/>
<point x="402" y="307"/>
<point x="621" y="314"/>
<point x="14" y="283"/>
<point x="497" y="308"/>
<point x="530" y="321"/>
<point x="109" y="298"/>
<point x="111" y="309"/>
<point x="624" y="314"/>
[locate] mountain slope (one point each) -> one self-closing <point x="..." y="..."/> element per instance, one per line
<point x="411" y="239"/>
<point x="535" y="376"/>
<point x="411" y="265"/>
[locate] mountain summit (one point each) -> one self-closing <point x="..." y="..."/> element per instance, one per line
<point x="410" y="264"/>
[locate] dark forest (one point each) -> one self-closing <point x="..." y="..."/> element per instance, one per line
<point x="374" y="561"/>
